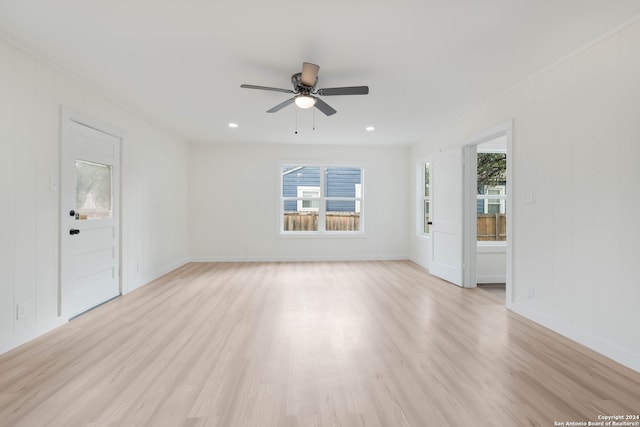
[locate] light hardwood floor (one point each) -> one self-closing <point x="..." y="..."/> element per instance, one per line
<point x="307" y="344"/>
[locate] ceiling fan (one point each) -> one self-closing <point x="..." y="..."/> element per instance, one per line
<point x="304" y="89"/>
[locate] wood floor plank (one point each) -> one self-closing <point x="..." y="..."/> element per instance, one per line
<point x="307" y="344"/>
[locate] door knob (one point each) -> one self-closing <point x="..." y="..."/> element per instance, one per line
<point x="72" y="213"/>
<point x="74" y="231"/>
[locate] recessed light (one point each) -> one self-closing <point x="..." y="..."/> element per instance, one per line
<point x="233" y="125"/>
<point x="370" y="128"/>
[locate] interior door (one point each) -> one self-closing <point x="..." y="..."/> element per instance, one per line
<point x="90" y="170"/>
<point x="446" y="216"/>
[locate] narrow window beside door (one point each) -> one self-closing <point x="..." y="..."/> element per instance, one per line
<point x="426" y="199"/>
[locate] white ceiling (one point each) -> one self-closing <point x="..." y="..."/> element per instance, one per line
<point x="427" y="62"/>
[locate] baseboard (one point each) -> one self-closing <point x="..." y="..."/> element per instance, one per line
<point x="606" y="348"/>
<point x="298" y="258"/>
<point x="151" y="277"/>
<point x="420" y="262"/>
<point x="170" y="268"/>
<point x="37" y="331"/>
<point x="492" y="279"/>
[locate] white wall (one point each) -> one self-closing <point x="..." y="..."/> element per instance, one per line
<point x="154" y="191"/>
<point x="491" y="264"/>
<point x="234" y="203"/>
<point x="155" y="188"/>
<point x="575" y="151"/>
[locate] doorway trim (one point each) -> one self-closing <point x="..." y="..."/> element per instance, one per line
<point x="470" y="244"/>
<point x="67" y="117"/>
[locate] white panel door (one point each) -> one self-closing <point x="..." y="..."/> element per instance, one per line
<point x="90" y="170"/>
<point x="446" y="216"/>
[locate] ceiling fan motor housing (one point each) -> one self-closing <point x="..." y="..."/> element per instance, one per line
<point x="296" y="81"/>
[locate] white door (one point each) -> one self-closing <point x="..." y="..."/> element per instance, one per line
<point x="446" y="216"/>
<point x="90" y="171"/>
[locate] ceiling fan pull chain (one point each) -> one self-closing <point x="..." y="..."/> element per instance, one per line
<point x="296" y="120"/>
<point x="314" y="119"/>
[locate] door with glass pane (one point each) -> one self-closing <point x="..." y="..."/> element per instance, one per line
<point x="89" y="219"/>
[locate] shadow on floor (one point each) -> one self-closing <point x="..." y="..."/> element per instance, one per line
<point x="498" y="289"/>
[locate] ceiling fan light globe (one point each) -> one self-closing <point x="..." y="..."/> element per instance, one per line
<point x="305" y="102"/>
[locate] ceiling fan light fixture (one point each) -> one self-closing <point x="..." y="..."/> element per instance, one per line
<point x="305" y="101"/>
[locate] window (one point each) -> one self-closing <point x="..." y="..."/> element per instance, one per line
<point x="321" y="199"/>
<point x="93" y="190"/>
<point x="308" y="199"/>
<point x="491" y="205"/>
<point x="423" y="202"/>
<point x="426" y="199"/>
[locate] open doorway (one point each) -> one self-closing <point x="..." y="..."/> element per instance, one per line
<point x="487" y="198"/>
<point x="491" y="209"/>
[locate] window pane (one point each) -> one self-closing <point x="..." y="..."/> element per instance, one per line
<point x="426" y="216"/>
<point x="342" y="216"/>
<point x="299" y="176"/>
<point x="342" y="181"/>
<point x="492" y="227"/>
<point x="311" y="204"/>
<point x="295" y="220"/>
<point x="492" y="168"/>
<point x="426" y="180"/>
<point x="93" y="190"/>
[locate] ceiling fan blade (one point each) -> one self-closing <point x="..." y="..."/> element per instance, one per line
<point x="274" y="89"/>
<point x="349" y="90"/>
<point x="309" y="74"/>
<point x="281" y="105"/>
<point x="324" y="107"/>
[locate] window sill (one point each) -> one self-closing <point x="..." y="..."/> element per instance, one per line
<point x="322" y="235"/>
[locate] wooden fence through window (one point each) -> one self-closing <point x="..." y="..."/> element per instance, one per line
<point x="308" y="221"/>
<point x="492" y="227"/>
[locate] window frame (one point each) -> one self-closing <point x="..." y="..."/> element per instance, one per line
<point x="322" y="199"/>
